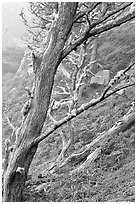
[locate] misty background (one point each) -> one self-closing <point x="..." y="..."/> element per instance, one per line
<point x="13" y="31"/>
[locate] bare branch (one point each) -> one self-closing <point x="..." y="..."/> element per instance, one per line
<point x="88" y="20"/>
<point x="105" y="17"/>
<point x="75" y="159"/>
<point x="81" y="14"/>
<point x="65" y="144"/>
<point x="112" y="24"/>
<point x="61" y="93"/>
<point x="97" y="31"/>
<point x="80" y="110"/>
<point x="117" y="77"/>
<point x="64" y="141"/>
<point x="63" y="89"/>
<point x="86" y="106"/>
<point x="10" y="124"/>
<point x="90" y="159"/>
<point x="51" y="118"/>
<point x="126" y="121"/>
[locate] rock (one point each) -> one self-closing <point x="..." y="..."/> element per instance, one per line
<point x="41" y="187"/>
<point x="102" y="78"/>
<point x="63" y="70"/>
<point x="121" y="92"/>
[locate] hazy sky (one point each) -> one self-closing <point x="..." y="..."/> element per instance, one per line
<point x="12" y="26"/>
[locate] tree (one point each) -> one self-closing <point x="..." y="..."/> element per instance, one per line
<point x="60" y="46"/>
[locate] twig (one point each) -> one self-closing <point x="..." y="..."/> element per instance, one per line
<point x="98" y="30"/>
<point x="84" y="107"/>
<point x="104" y="18"/>
<point x="10" y="124"/>
<point x="80" y="110"/>
<point x="127" y="120"/>
<point x="81" y="14"/>
<point x="119" y="74"/>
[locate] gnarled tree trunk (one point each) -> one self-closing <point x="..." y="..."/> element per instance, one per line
<point x="22" y="155"/>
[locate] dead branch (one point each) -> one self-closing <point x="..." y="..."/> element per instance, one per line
<point x="63" y="90"/>
<point x="93" y="102"/>
<point x="71" y="103"/>
<point x="82" y="108"/>
<point x="112" y="24"/>
<point x="90" y="159"/>
<point x="84" y="158"/>
<point x="65" y="144"/>
<point x="14" y="130"/>
<point x="105" y="17"/>
<point x="123" y="124"/>
<point x="81" y="14"/>
<point x="10" y="124"/>
<point x="117" y="78"/>
<point x="98" y="30"/>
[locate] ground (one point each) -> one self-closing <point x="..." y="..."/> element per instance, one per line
<point x="110" y="178"/>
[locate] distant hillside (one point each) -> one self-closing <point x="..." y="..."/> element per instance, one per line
<point x="11" y="58"/>
<point x="117" y="47"/>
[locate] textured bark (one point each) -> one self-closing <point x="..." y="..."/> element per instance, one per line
<point x="24" y="151"/>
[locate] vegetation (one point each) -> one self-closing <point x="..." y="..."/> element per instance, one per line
<point x="69" y="165"/>
<point x="11" y="59"/>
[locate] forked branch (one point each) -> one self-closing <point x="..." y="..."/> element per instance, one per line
<point x="96" y="31"/>
<point x="84" y="107"/>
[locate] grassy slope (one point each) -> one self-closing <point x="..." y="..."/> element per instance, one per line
<point x="111" y="177"/>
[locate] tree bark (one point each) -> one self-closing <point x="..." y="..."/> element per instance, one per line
<point x="24" y="151"/>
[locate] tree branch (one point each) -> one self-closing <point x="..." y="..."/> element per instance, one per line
<point x="105" y="17"/>
<point x="112" y="24"/>
<point x="117" y="77"/>
<point x="86" y="106"/>
<point x="80" y="110"/>
<point x="90" y="159"/>
<point x="81" y="14"/>
<point x="120" y="126"/>
<point x="97" y="31"/>
<point x="85" y="154"/>
<point x="10" y="124"/>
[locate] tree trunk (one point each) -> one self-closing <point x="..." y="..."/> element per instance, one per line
<point x="14" y="180"/>
<point x="21" y="158"/>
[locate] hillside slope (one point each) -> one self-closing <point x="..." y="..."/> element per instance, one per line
<point x="111" y="177"/>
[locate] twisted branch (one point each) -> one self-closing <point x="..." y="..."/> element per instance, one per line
<point x="82" y="108"/>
